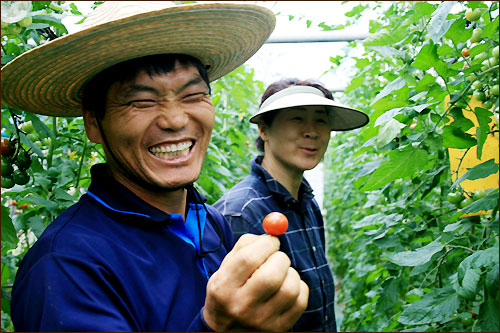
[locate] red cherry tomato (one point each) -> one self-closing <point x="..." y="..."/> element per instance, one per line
<point x="465" y="52"/>
<point x="275" y="223"/>
<point x="23" y="206"/>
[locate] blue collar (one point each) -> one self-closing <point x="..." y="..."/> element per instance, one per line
<point x="116" y="197"/>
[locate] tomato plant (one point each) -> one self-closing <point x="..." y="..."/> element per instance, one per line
<point x="402" y="249"/>
<point x="275" y="223"/>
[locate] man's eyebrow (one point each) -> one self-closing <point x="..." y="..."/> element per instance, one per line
<point x="194" y="81"/>
<point x="135" y="88"/>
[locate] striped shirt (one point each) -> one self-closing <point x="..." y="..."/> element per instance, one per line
<point x="246" y="205"/>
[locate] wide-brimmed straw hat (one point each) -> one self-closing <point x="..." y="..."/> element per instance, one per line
<point x="341" y="117"/>
<point x="49" y="78"/>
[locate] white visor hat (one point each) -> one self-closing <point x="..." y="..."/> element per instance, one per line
<point x="342" y="118"/>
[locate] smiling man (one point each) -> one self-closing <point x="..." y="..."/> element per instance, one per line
<point x="141" y="251"/>
<point x="294" y="120"/>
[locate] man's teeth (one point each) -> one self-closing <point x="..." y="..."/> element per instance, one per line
<point x="180" y="149"/>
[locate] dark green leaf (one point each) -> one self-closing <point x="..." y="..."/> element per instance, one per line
<point x="454" y="137"/>
<point x="400" y="164"/>
<point x="9" y="236"/>
<point x="389" y="295"/>
<point x="438" y="306"/>
<point x="486" y="203"/>
<point x="417" y="257"/>
<point x="488" y="315"/>
<point x="479" y="171"/>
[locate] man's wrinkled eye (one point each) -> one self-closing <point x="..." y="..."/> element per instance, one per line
<point x="196" y="97"/>
<point x="142" y="103"/>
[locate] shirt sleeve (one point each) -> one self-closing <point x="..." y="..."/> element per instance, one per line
<point x="199" y="324"/>
<point x="62" y="293"/>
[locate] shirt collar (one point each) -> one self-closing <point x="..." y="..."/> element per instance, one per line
<point x="113" y="195"/>
<point x="305" y="190"/>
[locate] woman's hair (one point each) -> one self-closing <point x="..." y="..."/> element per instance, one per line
<point x="268" y="117"/>
<point x="95" y="91"/>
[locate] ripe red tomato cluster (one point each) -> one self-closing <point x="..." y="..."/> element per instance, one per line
<point x="275" y="223"/>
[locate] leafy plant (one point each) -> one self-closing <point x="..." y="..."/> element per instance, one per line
<point x="406" y="259"/>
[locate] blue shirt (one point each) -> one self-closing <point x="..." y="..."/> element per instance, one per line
<point x="246" y="205"/>
<point x="112" y="262"/>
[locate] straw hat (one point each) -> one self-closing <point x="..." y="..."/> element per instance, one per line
<point x="342" y="118"/>
<point x="49" y="79"/>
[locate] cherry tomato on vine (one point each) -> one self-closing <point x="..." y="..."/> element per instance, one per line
<point x="8" y="181"/>
<point x="6" y="147"/>
<point x="465" y="52"/>
<point x="24" y="206"/>
<point x="479" y="95"/>
<point x="14" y="203"/>
<point x="466" y="202"/>
<point x="455" y="198"/>
<point x="23" y="160"/>
<point x="7" y="168"/>
<point x="21" y="177"/>
<point x="472" y="15"/>
<point x="275" y="223"/>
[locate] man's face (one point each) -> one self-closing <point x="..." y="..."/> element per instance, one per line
<point x="158" y="129"/>
<point x="297" y="138"/>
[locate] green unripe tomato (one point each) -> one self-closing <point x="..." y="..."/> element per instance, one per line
<point x="23" y="160"/>
<point x="488" y="104"/>
<point x="21" y="177"/>
<point x="27" y="127"/>
<point x="472" y="15"/>
<point x="477" y="85"/>
<point x="25" y="22"/>
<point x="455" y="198"/>
<point x="481" y="57"/>
<point x="7" y="168"/>
<point x="485" y="65"/>
<point x="479" y="95"/>
<point x="494" y="90"/>
<point x="466" y="202"/>
<point x="14" y="29"/>
<point x="479" y="194"/>
<point x="8" y="181"/>
<point x="494" y="52"/>
<point x="493" y="61"/>
<point x="472" y="77"/>
<point x="476" y="35"/>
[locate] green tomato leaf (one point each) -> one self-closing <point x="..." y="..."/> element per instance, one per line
<point x="437" y="306"/>
<point x="479" y="171"/>
<point x="439" y="25"/>
<point x="388" y="295"/>
<point x="385" y="37"/>
<point x="392" y="86"/>
<point x="488" y="315"/>
<point x="483" y="117"/>
<point x="457" y="33"/>
<point x="454" y="137"/>
<point x="400" y="164"/>
<point x="9" y="235"/>
<point x="417" y="257"/>
<point x="388" y="132"/>
<point x="486" y="203"/>
<point x="467" y="287"/>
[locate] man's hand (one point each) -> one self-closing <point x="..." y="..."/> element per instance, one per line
<point x="255" y="289"/>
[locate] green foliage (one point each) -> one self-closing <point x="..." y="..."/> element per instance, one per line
<point x="406" y="259"/>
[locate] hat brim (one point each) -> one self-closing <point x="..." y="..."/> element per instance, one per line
<point x="341" y="117"/>
<point x="49" y="79"/>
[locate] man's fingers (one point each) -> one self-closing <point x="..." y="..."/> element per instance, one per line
<point x="269" y="277"/>
<point x="248" y="254"/>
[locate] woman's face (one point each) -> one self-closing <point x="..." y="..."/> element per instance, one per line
<point x="297" y="138"/>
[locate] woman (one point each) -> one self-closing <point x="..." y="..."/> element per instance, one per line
<point x="295" y="120"/>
